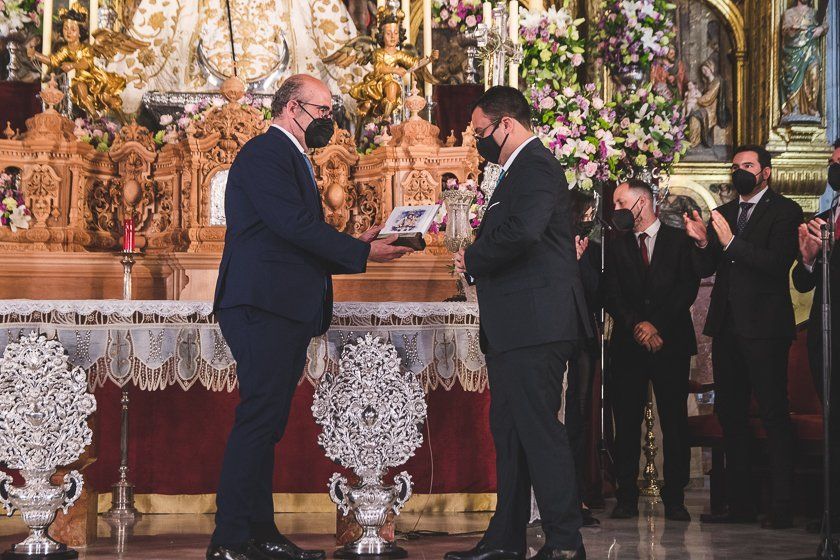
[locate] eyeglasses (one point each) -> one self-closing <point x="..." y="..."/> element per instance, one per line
<point x="494" y="125"/>
<point x="324" y="111"/>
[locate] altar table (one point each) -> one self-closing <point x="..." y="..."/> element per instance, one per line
<point x="171" y="358"/>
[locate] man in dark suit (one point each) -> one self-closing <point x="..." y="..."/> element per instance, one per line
<point x="649" y="287"/>
<point x="750" y="245"/>
<point x="807" y="276"/>
<point x="274" y="293"/>
<point x="532" y="314"/>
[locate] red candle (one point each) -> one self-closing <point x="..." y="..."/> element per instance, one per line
<point x="128" y="235"/>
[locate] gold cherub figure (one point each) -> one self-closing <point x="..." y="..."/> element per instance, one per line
<point x="93" y="89"/>
<point x="380" y="93"/>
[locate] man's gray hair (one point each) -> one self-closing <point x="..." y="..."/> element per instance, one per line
<point x="287" y="91"/>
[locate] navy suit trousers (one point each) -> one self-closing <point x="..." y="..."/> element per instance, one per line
<point x="270" y="354"/>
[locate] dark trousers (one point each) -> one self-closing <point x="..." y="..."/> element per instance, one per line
<point x="270" y="354"/>
<point x="580" y="376"/>
<point x="815" y="359"/>
<point x="628" y="383"/>
<point x="526" y="391"/>
<point x="745" y="366"/>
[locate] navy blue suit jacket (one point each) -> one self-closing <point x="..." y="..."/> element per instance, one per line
<point x="279" y="253"/>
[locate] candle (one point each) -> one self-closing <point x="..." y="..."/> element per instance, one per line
<point x="128" y="235"/>
<point x="94" y="16"/>
<point x="406" y="8"/>
<point x="46" y="38"/>
<point x="488" y="21"/>
<point x="427" y="40"/>
<point x="513" y="34"/>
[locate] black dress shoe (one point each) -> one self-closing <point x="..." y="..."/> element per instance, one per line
<point x="728" y="517"/>
<point x="222" y="553"/>
<point x="547" y="553"/>
<point x="777" y="521"/>
<point x="625" y="511"/>
<point x="281" y="548"/>
<point x="677" y="513"/>
<point x="588" y="519"/>
<point x="482" y="551"/>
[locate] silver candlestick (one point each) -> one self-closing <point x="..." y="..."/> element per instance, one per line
<point x="122" y="492"/>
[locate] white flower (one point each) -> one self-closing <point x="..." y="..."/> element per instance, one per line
<point x="547" y="103"/>
<point x="568" y="91"/>
<point x="266" y="103"/>
<point x="190" y="108"/>
<point x="597" y="103"/>
<point x="529" y="20"/>
<point x="590" y="169"/>
<point x="19" y="220"/>
<point x="218" y="102"/>
<point x="165" y="120"/>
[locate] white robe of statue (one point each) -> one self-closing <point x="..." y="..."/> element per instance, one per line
<point x="313" y="29"/>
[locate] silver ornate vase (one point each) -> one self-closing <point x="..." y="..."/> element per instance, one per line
<point x="371" y="413"/>
<point x="458" y="233"/>
<point x="630" y="77"/>
<point x="44" y="407"/>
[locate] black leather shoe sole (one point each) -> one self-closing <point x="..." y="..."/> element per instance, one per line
<point x="222" y="553"/>
<point x="283" y="551"/>
<point x="487" y="554"/>
<point x="677" y="513"/>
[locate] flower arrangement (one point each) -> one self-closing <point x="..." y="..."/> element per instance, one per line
<point x="652" y="129"/>
<point x="579" y="127"/>
<point x="477" y="207"/>
<point x="632" y="33"/>
<point x="552" y="46"/>
<point x="371" y="138"/>
<point x="99" y="133"/>
<point x="174" y="128"/>
<point x="20" y="15"/>
<point x="462" y="15"/>
<point x="13" y="210"/>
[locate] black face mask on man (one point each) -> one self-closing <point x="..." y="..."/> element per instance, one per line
<point x="744" y="182"/>
<point x="623" y="219"/>
<point x="318" y="132"/>
<point x="488" y="148"/>
<point x="834" y="176"/>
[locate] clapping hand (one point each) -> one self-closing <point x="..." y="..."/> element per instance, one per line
<point x="581" y="245"/>
<point x="810" y="240"/>
<point x="695" y="228"/>
<point x="722" y="229"/>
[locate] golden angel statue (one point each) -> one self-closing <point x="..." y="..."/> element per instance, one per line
<point x="380" y="93"/>
<point x="92" y="89"/>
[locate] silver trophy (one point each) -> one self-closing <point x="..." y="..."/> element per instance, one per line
<point x="44" y="407"/>
<point x="371" y="413"/>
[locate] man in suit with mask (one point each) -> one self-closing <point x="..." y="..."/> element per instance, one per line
<point x="807" y="276"/>
<point x="274" y="293"/>
<point x="532" y="315"/>
<point x="649" y="287"/>
<point x="750" y="244"/>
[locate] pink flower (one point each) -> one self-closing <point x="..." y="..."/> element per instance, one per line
<point x="444" y="14"/>
<point x="470" y="21"/>
<point x="577" y="59"/>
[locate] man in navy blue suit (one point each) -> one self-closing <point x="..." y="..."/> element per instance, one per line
<point x="274" y="293"/>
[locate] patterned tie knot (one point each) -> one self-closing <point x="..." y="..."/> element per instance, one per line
<point x="642" y="237"/>
<point x="745" y="206"/>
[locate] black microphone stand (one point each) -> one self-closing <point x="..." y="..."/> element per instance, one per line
<point x="828" y="549"/>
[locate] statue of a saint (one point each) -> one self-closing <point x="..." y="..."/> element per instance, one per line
<point x="93" y="89"/>
<point x="801" y="71"/>
<point x="707" y="110"/>
<point x="380" y="93"/>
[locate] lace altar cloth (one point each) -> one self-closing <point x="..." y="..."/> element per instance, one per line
<point x="157" y="344"/>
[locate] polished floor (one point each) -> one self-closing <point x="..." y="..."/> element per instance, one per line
<point x="184" y="537"/>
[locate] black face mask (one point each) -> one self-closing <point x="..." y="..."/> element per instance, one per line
<point x="743" y="181"/>
<point x="834" y="176"/>
<point x="319" y="131"/>
<point x="488" y="148"/>
<point x="623" y="218"/>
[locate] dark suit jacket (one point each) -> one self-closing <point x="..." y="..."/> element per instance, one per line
<point x="752" y="286"/>
<point x="661" y="293"/>
<point x="805" y="281"/>
<point x="523" y="259"/>
<point x="279" y="253"/>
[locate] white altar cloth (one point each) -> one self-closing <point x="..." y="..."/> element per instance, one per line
<point x="158" y="344"/>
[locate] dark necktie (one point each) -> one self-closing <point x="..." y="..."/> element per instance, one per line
<point x="743" y="216"/>
<point x="643" y="250"/>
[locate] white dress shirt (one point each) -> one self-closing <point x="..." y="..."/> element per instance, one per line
<point x="650" y="241"/>
<point x="515" y="153"/>
<point x="291" y="137"/>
